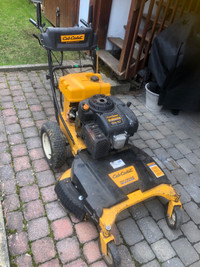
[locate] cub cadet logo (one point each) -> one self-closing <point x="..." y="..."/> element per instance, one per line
<point x="125" y="176"/>
<point x="122" y="173"/>
<point x="72" y="38"/>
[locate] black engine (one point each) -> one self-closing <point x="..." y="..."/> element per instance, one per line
<point x="104" y="123"/>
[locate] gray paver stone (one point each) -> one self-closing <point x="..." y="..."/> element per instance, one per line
<point x="185" y="251"/>
<point x="150" y="229"/>
<point x="170" y="176"/>
<point x="181" y="135"/>
<point x="197" y="247"/>
<point x="193" y="211"/>
<point x="130" y="231"/>
<point x="174" y="153"/>
<point x="142" y="252"/>
<point x="181" y="176"/>
<point x="153" y="263"/>
<point x="197" y="152"/>
<point x="45" y="178"/>
<point x="156" y="209"/>
<point x="194" y="192"/>
<point x="123" y="215"/>
<point x="55" y="211"/>
<point x="175" y="262"/>
<point x="38" y="228"/>
<point x="165" y="143"/>
<point x="192" y="158"/>
<point x="164" y="130"/>
<point x="169" y="233"/>
<point x="183" y="149"/>
<point x="186" y="165"/>
<point x="185" y="216"/>
<point x="195" y="178"/>
<point x="125" y="256"/>
<point x="152" y="144"/>
<point x="144" y="135"/>
<point x="196" y="264"/>
<point x="185" y="197"/>
<point x="163" y="250"/>
<point x="139" y="211"/>
<point x="191" y="231"/>
<point x="161" y="154"/>
<point x="173" y="139"/>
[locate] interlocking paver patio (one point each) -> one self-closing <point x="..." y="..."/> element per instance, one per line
<point x="41" y="233"/>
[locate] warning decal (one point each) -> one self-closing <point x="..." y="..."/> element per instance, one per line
<point x="155" y="169"/>
<point x="125" y="176"/>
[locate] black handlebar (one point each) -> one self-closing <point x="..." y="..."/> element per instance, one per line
<point x="90" y="14"/>
<point x="84" y="22"/>
<point x="39" y="16"/>
<point x="33" y="22"/>
<point x="38" y="24"/>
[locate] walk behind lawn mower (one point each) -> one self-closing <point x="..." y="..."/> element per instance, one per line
<point x="108" y="175"/>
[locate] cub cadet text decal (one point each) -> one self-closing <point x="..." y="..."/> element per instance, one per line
<point x="155" y="169"/>
<point x="72" y="38"/>
<point x="125" y="176"/>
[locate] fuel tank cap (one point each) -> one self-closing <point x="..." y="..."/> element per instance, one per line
<point x="94" y="78"/>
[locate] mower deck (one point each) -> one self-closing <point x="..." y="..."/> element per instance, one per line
<point x="104" y="186"/>
<point x="106" y="182"/>
<point x="107" y="186"/>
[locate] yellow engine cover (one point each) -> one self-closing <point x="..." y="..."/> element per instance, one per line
<point x="79" y="86"/>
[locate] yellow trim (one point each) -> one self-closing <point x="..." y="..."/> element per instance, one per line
<point x="66" y="174"/>
<point x="171" y="206"/>
<point x="104" y="241"/>
<point x="109" y="215"/>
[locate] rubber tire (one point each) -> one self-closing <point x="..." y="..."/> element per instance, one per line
<point x="57" y="143"/>
<point x="68" y="196"/>
<point x="113" y="258"/>
<point x="176" y="220"/>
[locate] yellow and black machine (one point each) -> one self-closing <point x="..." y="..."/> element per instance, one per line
<point x="107" y="175"/>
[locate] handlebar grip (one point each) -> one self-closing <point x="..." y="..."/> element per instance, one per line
<point x="33" y="22"/>
<point x="84" y="22"/>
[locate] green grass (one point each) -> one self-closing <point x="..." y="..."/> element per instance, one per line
<point x="17" y="45"/>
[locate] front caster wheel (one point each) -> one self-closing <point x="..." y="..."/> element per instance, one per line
<point x="53" y="144"/>
<point x="175" y="221"/>
<point x="113" y="258"/>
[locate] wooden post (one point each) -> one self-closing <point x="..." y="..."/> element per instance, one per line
<point x="101" y="16"/>
<point x="135" y="37"/>
<point x="145" y="30"/>
<point x="152" y="33"/>
<point x="69" y="11"/>
<point x="130" y="28"/>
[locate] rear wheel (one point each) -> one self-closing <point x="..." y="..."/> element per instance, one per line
<point x="53" y="144"/>
<point x="113" y="258"/>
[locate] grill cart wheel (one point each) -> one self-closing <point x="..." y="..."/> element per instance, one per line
<point x="175" y="221"/>
<point x="53" y="144"/>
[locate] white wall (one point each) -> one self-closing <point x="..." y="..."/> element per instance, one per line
<point x="118" y="18"/>
<point x="83" y="10"/>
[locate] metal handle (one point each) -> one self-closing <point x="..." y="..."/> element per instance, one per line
<point x="84" y="22"/>
<point x="33" y="22"/>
